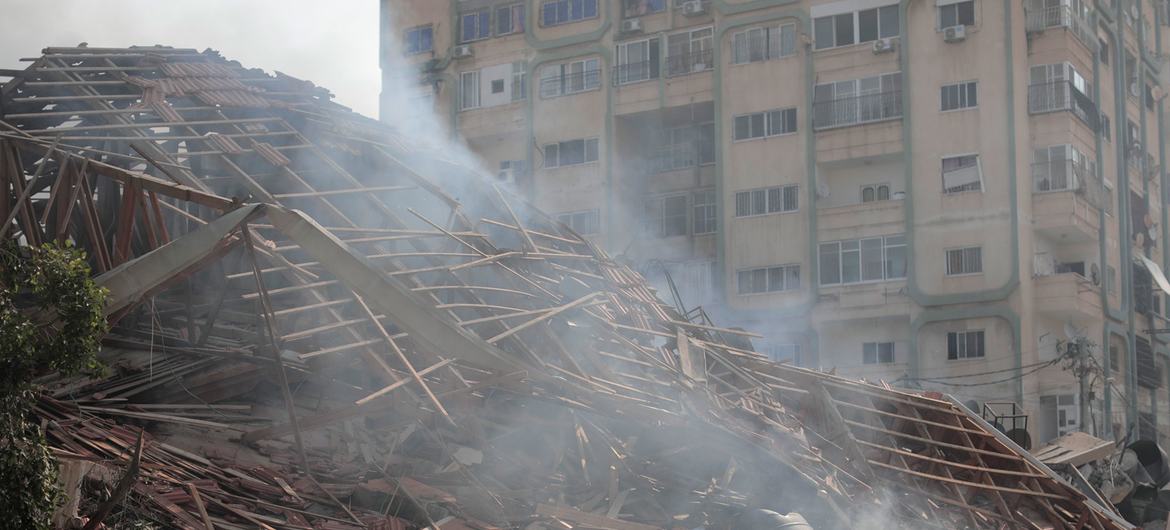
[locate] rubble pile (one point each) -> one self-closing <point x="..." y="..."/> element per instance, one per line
<point x="322" y="322"/>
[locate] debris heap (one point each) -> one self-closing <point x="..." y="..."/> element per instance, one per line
<point x="324" y="323"/>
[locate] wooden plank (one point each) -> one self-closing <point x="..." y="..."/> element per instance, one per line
<point x="591" y="520"/>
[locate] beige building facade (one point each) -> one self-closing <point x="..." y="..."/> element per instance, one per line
<point x="937" y="194"/>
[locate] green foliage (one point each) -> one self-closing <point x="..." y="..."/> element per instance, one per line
<point x="51" y="320"/>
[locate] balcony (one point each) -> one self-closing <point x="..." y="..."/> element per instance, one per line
<point x="860" y="220"/>
<point x="1041" y="18"/>
<point x="1056" y="96"/>
<point x="570" y="83"/>
<point x="630" y="73"/>
<point x="857" y="110"/>
<point x="689" y="63"/>
<point x="1066" y="200"/>
<point x="681" y="156"/>
<point x="1068" y="296"/>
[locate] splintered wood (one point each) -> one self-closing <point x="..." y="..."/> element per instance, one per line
<point x="325" y="323"/>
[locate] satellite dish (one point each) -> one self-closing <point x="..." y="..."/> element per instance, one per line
<point x="822" y="189"/>
<point x="1073" y="331"/>
<point x="1095" y="274"/>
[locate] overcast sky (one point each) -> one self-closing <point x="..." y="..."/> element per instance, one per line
<point x="333" y="43"/>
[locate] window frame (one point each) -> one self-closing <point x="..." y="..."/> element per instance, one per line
<point x="544" y="6"/>
<point x="966" y="91"/>
<point x="512" y="9"/>
<point x="478" y="15"/>
<point x="705" y="44"/>
<point x="766" y="123"/>
<point x="767" y="191"/>
<point x="947" y="261"/>
<point x="877" y="352"/>
<point x="962" y="345"/>
<point x="781" y="30"/>
<point x="880" y="13"/>
<point x="430" y="28"/>
<point x="783" y="269"/>
<point x="876" y="187"/>
<point x="887" y="266"/>
<point x="978" y="167"/>
<point x="652" y="58"/>
<point x="463" y="94"/>
<point x="585" y="154"/>
<point x="710" y="214"/>
<point x="958" y="15"/>
<point x="566" y="73"/>
<point x="569" y="218"/>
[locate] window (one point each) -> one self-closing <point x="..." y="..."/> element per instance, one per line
<point x="704" y="219"/>
<point x="1104" y="53"/>
<point x="960" y="96"/>
<point x="584" y="222"/>
<point x="768" y="279"/>
<point x="1149" y="97"/>
<point x="833" y="31"/>
<point x="870" y="25"/>
<point x="862" y="260"/>
<point x="519" y="80"/>
<point x="761" y="124"/>
<point x="497" y="86"/>
<point x="689" y="52"/>
<point x="475" y="26"/>
<point x="510" y="19"/>
<point x="876" y="192"/>
<point x="684" y="147"/>
<point x="964" y="345"/>
<point x="779" y="199"/>
<point x="510" y="169"/>
<point x="760" y="44"/>
<point x="1110" y="279"/>
<point x="962" y="173"/>
<point x="1106" y="128"/>
<point x="1060" y="167"/>
<point x="637" y="8"/>
<point x="419" y="40"/>
<point x="637" y="61"/>
<point x="855" y="101"/>
<point x="1058" y="86"/>
<point x="570" y="153"/>
<point x="967" y="260"/>
<point x="570" y="78"/>
<point x="667" y="216"/>
<point x="556" y="12"/>
<point x="877" y="353"/>
<point x="468" y="90"/>
<point x="783" y="352"/>
<point x="956" y="14"/>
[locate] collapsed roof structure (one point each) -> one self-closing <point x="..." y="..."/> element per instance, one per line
<point x="323" y="323"/>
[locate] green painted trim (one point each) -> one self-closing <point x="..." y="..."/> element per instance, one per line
<point x="919" y="296"/>
<point x="539" y="45"/>
<point x="727" y="8"/>
<point x="935" y="315"/>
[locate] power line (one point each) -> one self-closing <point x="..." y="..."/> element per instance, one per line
<point x="996" y="382"/>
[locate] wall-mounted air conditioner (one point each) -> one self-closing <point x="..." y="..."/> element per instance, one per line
<point x="632" y="25"/>
<point x="885" y="45"/>
<point x="955" y="33"/>
<point x="462" y="51"/>
<point x="693" y="8"/>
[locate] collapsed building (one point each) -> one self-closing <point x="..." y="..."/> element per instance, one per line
<point x="320" y="322"/>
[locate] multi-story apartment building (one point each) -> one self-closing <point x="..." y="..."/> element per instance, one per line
<point x="933" y="193"/>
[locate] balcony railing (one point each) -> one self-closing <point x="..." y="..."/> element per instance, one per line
<point x="570" y="83"/>
<point x="624" y="74"/>
<point x="680" y="156"/>
<point x="1056" y="96"/>
<point x="1066" y="175"/>
<point x="1041" y="18"/>
<point x="854" y="110"/>
<point x="689" y="63"/>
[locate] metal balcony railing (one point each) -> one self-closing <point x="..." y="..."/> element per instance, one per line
<point x="624" y="74"/>
<point x="673" y="157"/>
<point x="570" y="83"/>
<point x="1040" y="18"/>
<point x="1066" y="175"/>
<point x="1056" y="96"/>
<point x="689" y="63"/>
<point x="854" y="110"/>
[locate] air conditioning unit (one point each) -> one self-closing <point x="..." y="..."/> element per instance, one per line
<point x="507" y="176"/>
<point x="463" y="50"/>
<point x="632" y="25"/>
<point x="692" y="8"/>
<point x="1134" y="90"/>
<point x="955" y="33"/>
<point x="885" y="45"/>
